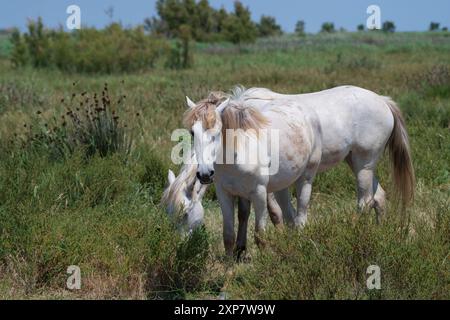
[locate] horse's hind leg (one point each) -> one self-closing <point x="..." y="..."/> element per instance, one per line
<point x="275" y="214"/>
<point x="284" y="201"/>
<point x="379" y="200"/>
<point x="304" y="188"/>
<point x="370" y="193"/>
<point x="243" y="215"/>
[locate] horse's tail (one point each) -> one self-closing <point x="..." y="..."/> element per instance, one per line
<point x="402" y="168"/>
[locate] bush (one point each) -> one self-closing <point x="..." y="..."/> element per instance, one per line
<point x="300" y="28"/>
<point x="113" y="49"/>
<point x="329" y="259"/>
<point x="95" y="214"/>
<point x="434" y="81"/>
<point x="388" y="26"/>
<point x="89" y="122"/>
<point x="268" y="27"/>
<point x="328" y="27"/>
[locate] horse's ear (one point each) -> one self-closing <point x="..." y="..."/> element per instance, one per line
<point x="222" y="105"/>
<point x="190" y="103"/>
<point x="171" y="177"/>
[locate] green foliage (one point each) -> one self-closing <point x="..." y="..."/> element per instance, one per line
<point x="113" y="49"/>
<point x="103" y="214"/>
<point x="344" y="246"/>
<point x="238" y="27"/>
<point x="206" y="23"/>
<point x="388" y="26"/>
<point x="88" y="122"/>
<point x="180" y="56"/>
<point x="434" y="26"/>
<point x="360" y="27"/>
<point x="173" y="14"/>
<point x="327" y="27"/>
<point x="192" y="255"/>
<point x="300" y="28"/>
<point x="19" y="55"/>
<point x="268" y="27"/>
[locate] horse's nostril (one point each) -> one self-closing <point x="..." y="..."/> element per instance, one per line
<point x="211" y="173"/>
<point x="198" y="175"/>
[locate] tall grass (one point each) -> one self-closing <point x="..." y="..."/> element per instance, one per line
<point x="102" y="214"/>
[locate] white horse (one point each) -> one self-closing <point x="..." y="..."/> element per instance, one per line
<point x="316" y="132"/>
<point x="183" y="198"/>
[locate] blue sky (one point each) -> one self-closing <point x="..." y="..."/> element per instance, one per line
<point x="409" y="15"/>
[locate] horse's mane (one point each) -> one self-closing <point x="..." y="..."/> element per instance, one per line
<point x="237" y="115"/>
<point x="172" y="197"/>
<point x="204" y="110"/>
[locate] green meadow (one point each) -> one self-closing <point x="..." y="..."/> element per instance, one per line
<point x="101" y="212"/>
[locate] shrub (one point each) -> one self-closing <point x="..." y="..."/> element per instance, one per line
<point x="238" y="27"/>
<point x="434" y="26"/>
<point x="268" y="27"/>
<point x="180" y="56"/>
<point x="300" y="28"/>
<point x="434" y="81"/>
<point x="328" y="27"/>
<point x="89" y="122"/>
<point x="113" y="49"/>
<point x="388" y="26"/>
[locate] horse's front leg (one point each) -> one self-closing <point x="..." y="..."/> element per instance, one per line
<point x="226" y="202"/>
<point x="243" y="215"/>
<point x="259" y="200"/>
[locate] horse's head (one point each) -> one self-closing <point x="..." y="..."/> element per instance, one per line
<point x="183" y="199"/>
<point x="204" y="122"/>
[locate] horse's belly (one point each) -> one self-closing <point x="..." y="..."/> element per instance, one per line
<point x="331" y="158"/>
<point x="286" y="175"/>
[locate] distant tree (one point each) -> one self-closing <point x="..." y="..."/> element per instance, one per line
<point x="360" y="27"/>
<point x="219" y="20"/>
<point x="19" y="55"/>
<point x="205" y="20"/>
<point x="238" y="27"/>
<point x="445" y="29"/>
<point x="268" y="27"/>
<point x="328" y="27"/>
<point x="155" y="26"/>
<point x="388" y="26"/>
<point x="300" y="28"/>
<point x="434" y="26"/>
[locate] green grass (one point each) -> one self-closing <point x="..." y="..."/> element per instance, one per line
<point x="102" y="213"/>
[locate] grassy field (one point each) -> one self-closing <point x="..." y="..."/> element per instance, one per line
<point x="103" y="213"/>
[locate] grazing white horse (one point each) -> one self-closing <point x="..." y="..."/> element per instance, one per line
<point x="316" y="132"/>
<point x="183" y="198"/>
